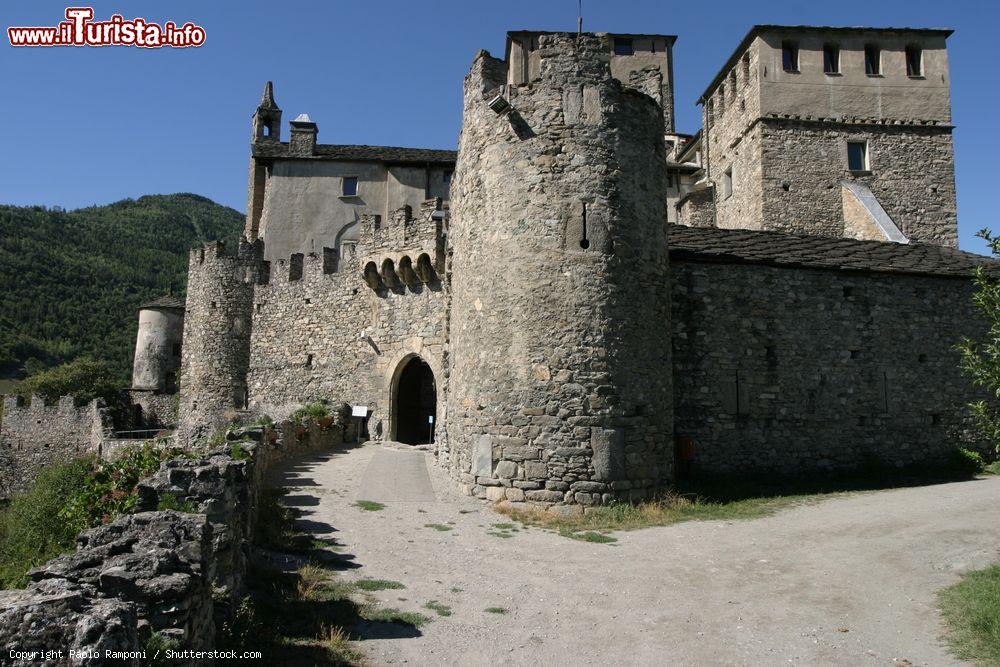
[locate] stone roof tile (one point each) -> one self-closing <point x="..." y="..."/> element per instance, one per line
<point x="360" y="153"/>
<point x="818" y="252"/>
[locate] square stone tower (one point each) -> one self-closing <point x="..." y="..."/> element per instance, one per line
<point x="833" y="132"/>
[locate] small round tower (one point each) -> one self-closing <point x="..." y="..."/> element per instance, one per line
<point x="560" y="387"/>
<point x="158" y="345"/>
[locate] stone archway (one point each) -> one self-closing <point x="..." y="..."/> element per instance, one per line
<point x="414" y="402"/>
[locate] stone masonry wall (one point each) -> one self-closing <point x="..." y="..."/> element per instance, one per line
<point x="783" y="370"/>
<point x="34" y="434"/>
<point x="912" y="175"/>
<point x="176" y="573"/>
<point x="333" y="334"/>
<point x="556" y="390"/>
<point x="732" y="142"/>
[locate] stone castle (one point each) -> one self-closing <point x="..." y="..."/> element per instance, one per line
<point x="582" y="304"/>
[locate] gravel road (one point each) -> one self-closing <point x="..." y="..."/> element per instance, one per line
<point x="850" y="580"/>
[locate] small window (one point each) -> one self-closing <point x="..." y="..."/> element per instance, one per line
<point x="790" y="56"/>
<point x="623" y="47"/>
<point x="349" y="187"/>
<point x="873" y="60"/>
<point x="914" y="64"/>
<point x="857" y="155"/>
<point x="727" y="184"/>
<point x="831" y="59"/>
<point x="447" y="177"/>
<point x="746" y="67"/>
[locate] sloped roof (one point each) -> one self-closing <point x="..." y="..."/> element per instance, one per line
<point x="166" y="301"/>
<point x="742" y="246"/>
<point x="396" y="154"/>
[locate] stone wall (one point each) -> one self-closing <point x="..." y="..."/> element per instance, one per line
<point x="175" y="573"/>
<point x="34" y="434"/>
<point x="912" y="176"/>
<point x="320" y="334"/>
<point x="788" y="370"/>
<point x="556" y="386"/>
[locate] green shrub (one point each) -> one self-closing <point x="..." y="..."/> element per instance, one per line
<point x="156" y="646"/>
<point x="966" y="462"/>
<point x="239" y="452"/>
<point x="110" y="488"/>
<point x="169" y="501"/>
<point x="31" y="528"/>
<point x="311" y="411"/>
<point x="263" y="420"/>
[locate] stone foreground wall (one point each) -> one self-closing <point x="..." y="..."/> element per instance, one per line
<point x="34" y="434"/>
<point x="171" y="572"/>
<point x="782" y="370"/>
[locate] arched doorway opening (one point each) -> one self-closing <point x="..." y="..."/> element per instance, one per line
<point x="415" y="403"/>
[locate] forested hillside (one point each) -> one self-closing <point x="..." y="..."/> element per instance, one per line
<point x="71" y="281"/>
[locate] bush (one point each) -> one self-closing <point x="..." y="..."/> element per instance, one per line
<point x="32" y="529"/>
<point x="966" y="462"/>
<point x="110" y="489"/>
<point x="311" y="411"/>
<point x="84" y="378"/>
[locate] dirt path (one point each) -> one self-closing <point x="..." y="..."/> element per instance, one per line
<point x="848" y="581"/>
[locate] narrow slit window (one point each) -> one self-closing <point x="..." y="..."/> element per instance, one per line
<point x="831" y="59"/>
<point x="727" y="183"/>
<point x="914" y="61"/>
<point x="873" y="60"/>
<point x="349" y="187"/>
<point x="857" y="155"/>
<point x="790" y="56"/>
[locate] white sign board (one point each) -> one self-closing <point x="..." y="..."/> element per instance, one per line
<point x="359" y="410"/>
<point x="430" y="419"/>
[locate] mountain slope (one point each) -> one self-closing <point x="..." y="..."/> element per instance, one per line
<point x="70" y="282"/>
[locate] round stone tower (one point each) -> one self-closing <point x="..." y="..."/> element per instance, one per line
<point x="158" y="345"/>
<point x="559" y="365"/>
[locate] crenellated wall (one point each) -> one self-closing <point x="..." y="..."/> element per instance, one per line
<point x="319" y="332"/>
<point x="35" y="433"/>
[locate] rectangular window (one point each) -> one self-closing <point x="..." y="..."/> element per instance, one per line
<point x="914" y="64"/>
<point x="873" y="60"/>
<point x="727" y="184"/>
<point x="831" y="59"/>
<point x="349" y="187"/>
<point x="623" y="47"/>
<point x="790" y="56"/>
<point x="857" y="155"/>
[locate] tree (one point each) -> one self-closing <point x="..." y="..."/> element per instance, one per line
<point x="981" y="361"/>
<point x="83" y="378"/>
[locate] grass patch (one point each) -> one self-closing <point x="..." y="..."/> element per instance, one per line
<point x="437" y="526"/>
<point x="992" y="469"/>
<point x="499" y="533"/>
<point x="438" y="608"/>
<point x="505" y="526"/>
<point x="377" y="584"/>
<point x="971" y="610"/>
<point x="589" y="536"/>
<point x="369" y="505"/>
<point x="495" y="610"/>
<point x="390" y="615"/>
<point x="456" y="589"/>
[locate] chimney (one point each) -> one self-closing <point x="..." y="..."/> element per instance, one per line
<point x="303" y="141"/>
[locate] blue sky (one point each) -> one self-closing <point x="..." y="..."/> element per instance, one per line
<point x="93" y="125"/>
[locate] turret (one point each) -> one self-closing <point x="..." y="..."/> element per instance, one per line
<point x="158" y="346"/>
<point x="560" y="385"/>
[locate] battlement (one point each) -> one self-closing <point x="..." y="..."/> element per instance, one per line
<point x="36" y="432"/>
<point x="406" y="250"/>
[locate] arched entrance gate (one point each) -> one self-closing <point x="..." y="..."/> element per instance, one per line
<point x="414" y="403"/>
